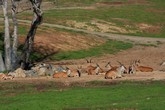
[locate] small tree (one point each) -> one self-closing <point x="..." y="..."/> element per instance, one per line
<point x="28" y="46"/>
<point x="11" y="52"/>
<point x="2" y="66"/>
<point x="15" y="35"/>
<point x="4" y="4"/>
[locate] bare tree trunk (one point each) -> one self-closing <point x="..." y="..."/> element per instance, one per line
<point x="14" y="36"/>
<point x="28" y="46"/>
<point x="7" y="37"/>
<point x="1" y="2"/>
<point x="2" y="66"/>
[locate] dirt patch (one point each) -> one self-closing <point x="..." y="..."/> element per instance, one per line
<point x="149" y="56"/>
<point x="52" y="42"/>
<point x="100" y="26"/>
<point x="149" y="28"/>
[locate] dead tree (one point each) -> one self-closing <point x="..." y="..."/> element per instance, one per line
<point x="28" y="46"/>
<point x="2" y="66"/>
<point x="7" y="48"/>
<point x="15" y="35"/>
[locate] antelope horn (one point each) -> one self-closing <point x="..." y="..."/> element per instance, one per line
<point x="90" y="61"/>
<point x="87" y="61"/>
<point x="131" y="62"/>
<point x="98" y="65"/>
<point x="108" y="64"/>
<point x="139" y="61"/>
<point x="120" y="63"/>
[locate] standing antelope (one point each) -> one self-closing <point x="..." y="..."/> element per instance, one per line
<point x="115" y="73"/>
<point x="142" y="68"/>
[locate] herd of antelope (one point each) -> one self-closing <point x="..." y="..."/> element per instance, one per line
<point x="109" y="72"/>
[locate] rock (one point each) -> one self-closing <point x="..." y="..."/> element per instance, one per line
<point x="31" y="73"/>
<point x="41" y="71"/>
<point x="18" y="73"/>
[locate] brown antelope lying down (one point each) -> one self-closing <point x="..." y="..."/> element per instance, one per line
<point x="68" y="73"/>
<point x="135" y="67"/>
<point x="5" y="77"/>
<point x="132" y="68"/>
<point x="93" y="70"/>
<point x="75" y="72"/>
<point x="115" y="73"/>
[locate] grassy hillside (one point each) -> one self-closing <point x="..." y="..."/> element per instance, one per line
<point x="137" y="17"/>
<point x="142" y="19"/>
<point x="110" y="47"/>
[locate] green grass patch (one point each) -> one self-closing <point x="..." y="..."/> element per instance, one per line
<point x="123" y="95"/>
<point x="135" y="14"/>
<point x="23" y="30"/>
<point x="70" y="3"/>
<point x="110" y="47"/>
<point x="150" y="13"/>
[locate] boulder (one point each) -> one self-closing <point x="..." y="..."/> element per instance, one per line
<point x="31" y="73"/>
<point x="41" y="71"/>
<point x="18" y="73"/>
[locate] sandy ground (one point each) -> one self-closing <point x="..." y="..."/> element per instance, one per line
<point x="149" y="56"/>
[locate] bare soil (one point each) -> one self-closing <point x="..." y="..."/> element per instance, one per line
<point x="48" y="42"/>
<point x="149" y="56"/>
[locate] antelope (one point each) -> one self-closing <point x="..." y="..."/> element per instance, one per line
<point x="142" y="68"/>
<point x="163" y="63"/>
<point x="5" y="77"/>
<point x="94" y="70"/>
<point x="110" y="67"/>
<point x="76" y="73"/>
<point x="8" y="77"/>
<point x="115" y="73"/>
<point x="2" y="75"/>
<point x="62" y="74"/>
<point x="132" y="68"/>
<point x="89" y="65"/>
